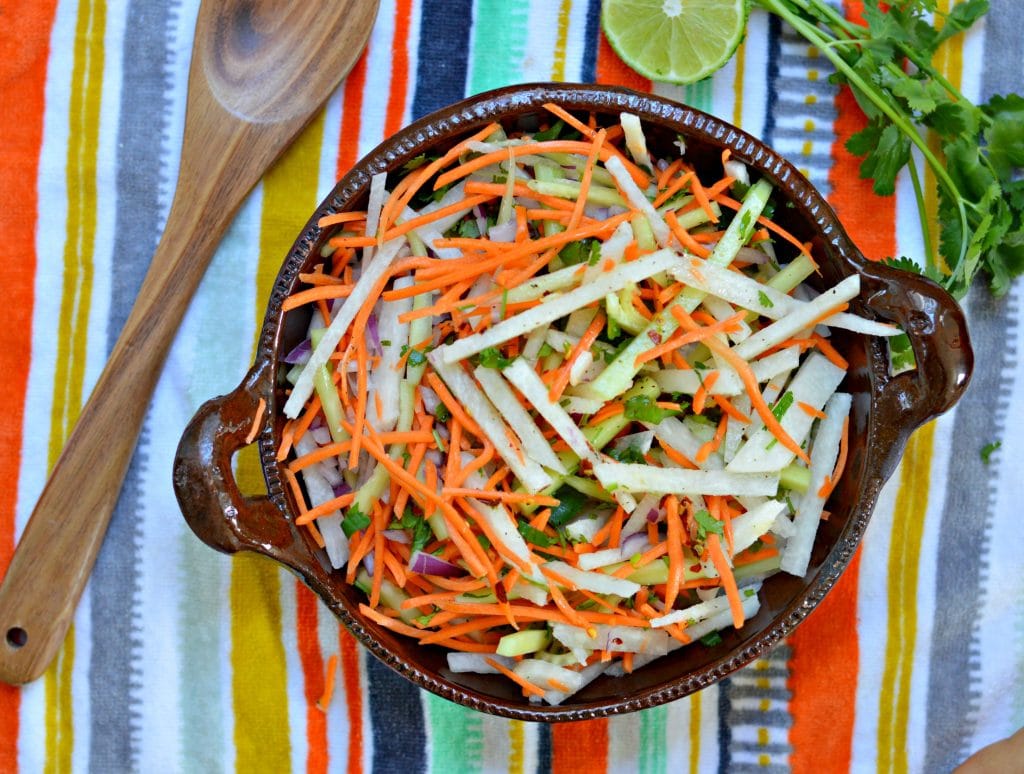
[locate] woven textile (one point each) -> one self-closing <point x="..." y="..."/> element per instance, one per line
<point x="181" y="659"/>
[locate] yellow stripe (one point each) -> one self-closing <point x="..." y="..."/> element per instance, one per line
<point x="558" y="68"/>
<point x="904" y="556"/>
<point x="516" y="746"/>
<point x="908" y="527"/>
<point x="695" y="729"/>
<point x="737" y="84"/>
<point x="73" y="320"/>
<point x="260" y="679"/>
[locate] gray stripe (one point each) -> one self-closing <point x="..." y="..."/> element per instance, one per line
<point x="757" y="768"/>
<point x="114" y="676"/>
<point x="762" y="749"/>
<point x="961" y="566"/>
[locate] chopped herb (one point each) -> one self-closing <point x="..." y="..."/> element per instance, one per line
<point x="988" y="449"/>
<point x="416" y="358"/>
<point x="782" y="406"/>
<point x="557" y="131"/>
<point x="421" y="535"/>
<point x="711" y="639"/>
<point x="491" y="357"/>
<point x="765" y="301"/>
<point x="441" y="413"/>
<point x="385" y="342"/>
<point x="534" y="535"/>
<point x="415" y="162"/>
<point x="706" y="524"/>
<point x="570" y="503"/>
<point x="354" y="521"/>
<point x="628" y="454"/>
<point x="643" y="408"/>
<point x="581" y="251"/>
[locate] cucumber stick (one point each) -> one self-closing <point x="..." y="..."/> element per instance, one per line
<point x="617" y="377"/>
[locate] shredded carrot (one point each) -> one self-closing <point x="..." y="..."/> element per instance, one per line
<point x="257" y="420"/>
<point x="749" y="381"/>
<point x="721" y="563"/>
<point x="522" y="682"/>
<point x="684" y="237"/>
<point x="810" y="410"/>
<point x="844" y="447"/>
<point x="675" y="550"/>
<point x="330" y="676"/>
<point x="825" y="347"/>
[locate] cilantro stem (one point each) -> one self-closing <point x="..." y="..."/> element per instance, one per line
<point x="931" y="257"/>
<point x="815" y="36"/>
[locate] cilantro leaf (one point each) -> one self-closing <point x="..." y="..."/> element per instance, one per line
<point x="707" y="524"/>
<point x="581" y="251"/>
<point x="642" y="408"/>
<point x="570" y="503"/>
<point x="1004" y="138"/>
<point x="491" y="357"/>
<point x="988" y="449"/>
<point x="904" y="263"/>
<point x="354" y="521"/>
<point x="629" y="454"/>
<point x="534" y="535"/>
<point x="711" y="639"/>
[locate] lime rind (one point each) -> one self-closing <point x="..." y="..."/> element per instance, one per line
<point x="685" y="47"/>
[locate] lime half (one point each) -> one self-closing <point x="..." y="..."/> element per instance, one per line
<point x="678" y="41"/>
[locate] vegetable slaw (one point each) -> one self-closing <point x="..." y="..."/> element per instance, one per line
<point x="563" y="406"/>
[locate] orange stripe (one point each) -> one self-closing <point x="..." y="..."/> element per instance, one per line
<point x="823" y="676"/>
<point x="868" y="218"/>
<point x="313" y="678"/>
<point x="612" y="70"/>
<point x="823" y="680"/>
<point x="349" y="652"/>
<point x="24" y="53"/>
<point x="579" y="747"/>
<point x="395" y="117"/>
<point x="348" y="150"/>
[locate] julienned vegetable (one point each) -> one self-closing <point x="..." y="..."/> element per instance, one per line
<point x="564" y="405"/>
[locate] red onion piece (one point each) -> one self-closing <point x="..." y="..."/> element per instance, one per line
<point x="300" y="353"/>
<point x="396" y="536"/>
<point x="634" y="544"/>
<point x="342" y="489"/>
<point x="481" y="221"/>
<point x="428" y="564"/>
<point x="373" y="334"/>
<point x="506" y="232"/>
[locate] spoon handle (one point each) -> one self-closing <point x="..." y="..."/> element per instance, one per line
<point x="56" y="552"/>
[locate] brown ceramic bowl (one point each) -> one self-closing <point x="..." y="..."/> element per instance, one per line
<point x="885" y="409"/>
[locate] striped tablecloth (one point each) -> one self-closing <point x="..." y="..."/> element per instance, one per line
<point x="181" y="659"/>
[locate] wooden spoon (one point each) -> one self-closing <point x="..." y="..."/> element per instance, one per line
<point x="260" y="70"/>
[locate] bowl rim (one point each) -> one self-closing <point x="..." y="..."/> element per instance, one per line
<point x="442" y="126"/>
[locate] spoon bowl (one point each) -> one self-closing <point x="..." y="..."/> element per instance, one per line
<point x="260" y="71"/>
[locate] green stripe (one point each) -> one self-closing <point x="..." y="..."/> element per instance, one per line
<point x="498" y="44"/>
<point x="701" y="95"/>
<point x="222" y="336"/>
<point x="652" y="740"/>
<point x="456" y="735"/>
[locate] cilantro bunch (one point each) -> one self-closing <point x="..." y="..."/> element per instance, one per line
<point x="977" y="164"/>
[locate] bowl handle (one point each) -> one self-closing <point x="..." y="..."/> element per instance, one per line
<point x="204" y="483"/>
<point x="938" y="332"/>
